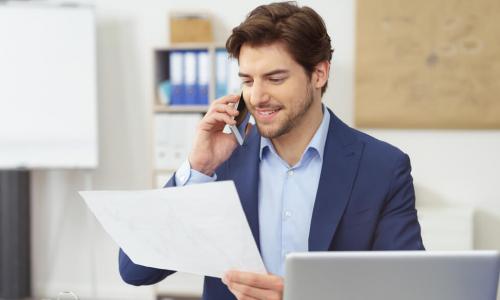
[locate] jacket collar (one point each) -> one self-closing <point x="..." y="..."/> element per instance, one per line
<point x="341" y="159"/>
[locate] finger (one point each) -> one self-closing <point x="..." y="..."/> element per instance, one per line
<point x="225" y="108"/>
<point x="217" y="118"/>
<point x="221" y="107"/>
<point x="227" y="99"/>
<point x="264" y="281"/>
<point x="241" y="296"/>
<point x="251" y="291"/>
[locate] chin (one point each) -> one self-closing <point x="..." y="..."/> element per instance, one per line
<point x="272" y="132"/>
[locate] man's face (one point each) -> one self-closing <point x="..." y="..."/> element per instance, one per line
<point x="276" y="89"/>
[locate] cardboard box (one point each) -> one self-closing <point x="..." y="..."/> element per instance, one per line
<point x="190" y="29"/>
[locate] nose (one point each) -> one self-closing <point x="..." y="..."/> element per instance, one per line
<point x="258" y="94"/>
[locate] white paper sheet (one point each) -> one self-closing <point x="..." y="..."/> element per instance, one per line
<point x="199" y="229"/>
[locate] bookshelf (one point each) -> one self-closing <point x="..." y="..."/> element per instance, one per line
<point x="174" y="127"/>
<point x="170" y="148"/>
<point x="162" y="72"/>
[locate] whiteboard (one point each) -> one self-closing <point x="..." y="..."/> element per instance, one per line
<point x="48" y="114"/>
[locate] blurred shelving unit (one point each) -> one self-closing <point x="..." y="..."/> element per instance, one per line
<point x="173" y="131"/>
<point x="163" y="111"/>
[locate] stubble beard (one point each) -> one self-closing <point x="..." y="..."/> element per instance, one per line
<point x="291" y="120"/>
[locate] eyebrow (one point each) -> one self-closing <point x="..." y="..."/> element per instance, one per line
<point x="274" y="72"/>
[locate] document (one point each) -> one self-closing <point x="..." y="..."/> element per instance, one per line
<point x="199" y="229"/>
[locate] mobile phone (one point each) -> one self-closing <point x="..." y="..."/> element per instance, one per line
<point x="239" y="130"/>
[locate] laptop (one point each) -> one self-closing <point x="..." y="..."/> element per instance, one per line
<point x="392" y="275"/>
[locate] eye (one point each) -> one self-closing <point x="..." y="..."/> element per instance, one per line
<point x="276" y="80"/>
<point x="247" y="82"/>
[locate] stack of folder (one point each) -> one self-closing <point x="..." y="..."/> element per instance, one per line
<point x="190" y="73"/>
<point x="227" y="80"/>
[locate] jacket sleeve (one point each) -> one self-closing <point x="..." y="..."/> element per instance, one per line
<point x="398" y="227"/>
<point x="135" y="274"/>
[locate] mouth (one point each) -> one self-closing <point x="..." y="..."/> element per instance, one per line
<point x="266" y="114"/>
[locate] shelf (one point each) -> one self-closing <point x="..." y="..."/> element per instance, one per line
<point x="181" y="109"/>
<point x="161" y="63"/>
<point x="161" y="110"/>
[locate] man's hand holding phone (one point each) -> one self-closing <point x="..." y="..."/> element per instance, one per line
<point x="211" y="146"/>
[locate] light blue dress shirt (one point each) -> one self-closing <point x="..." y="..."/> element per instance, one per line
<point x="286" y="197"/>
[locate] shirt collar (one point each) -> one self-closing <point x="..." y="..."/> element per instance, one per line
<point x="317" y="143"/>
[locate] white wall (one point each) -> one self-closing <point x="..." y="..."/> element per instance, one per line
<point x="71" y="252"/>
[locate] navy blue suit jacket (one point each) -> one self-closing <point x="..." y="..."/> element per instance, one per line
<point x="365" y="201"/>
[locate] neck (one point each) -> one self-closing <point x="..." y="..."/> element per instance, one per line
<point x="291" y="145"/>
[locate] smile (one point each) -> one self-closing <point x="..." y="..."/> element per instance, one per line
<point x="266" y="114"/>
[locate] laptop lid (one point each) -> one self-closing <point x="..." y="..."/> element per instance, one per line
<point x="392" y="275"/>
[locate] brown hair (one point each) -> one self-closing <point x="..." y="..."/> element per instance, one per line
<point x="300" y="29"/>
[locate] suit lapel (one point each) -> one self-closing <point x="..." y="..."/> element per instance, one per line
<point x="340" y="165"/>
<point x="245" y="169"/>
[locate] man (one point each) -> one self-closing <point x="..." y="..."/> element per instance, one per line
<point x="307" y="182"/>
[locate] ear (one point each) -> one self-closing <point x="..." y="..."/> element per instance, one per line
<point x="320" y="74"/>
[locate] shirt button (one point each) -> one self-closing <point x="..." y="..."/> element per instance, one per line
<point x="290" y="172"/>
<point x="288" y="214"/>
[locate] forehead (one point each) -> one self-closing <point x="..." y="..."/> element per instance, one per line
<point x="255" y="60"/>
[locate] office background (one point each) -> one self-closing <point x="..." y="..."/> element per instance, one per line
<point x="455" y="171"/>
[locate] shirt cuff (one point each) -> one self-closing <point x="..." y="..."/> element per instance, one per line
<point x="186" y="176"/>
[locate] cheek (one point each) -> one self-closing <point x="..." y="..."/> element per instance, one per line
<point x="247" y="92"/>
<point x="292" y="92"/>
